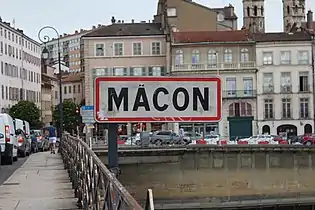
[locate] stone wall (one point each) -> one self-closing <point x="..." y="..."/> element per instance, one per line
<point x="208" y="172"/>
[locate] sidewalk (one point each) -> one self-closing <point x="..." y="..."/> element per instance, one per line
<point x="40" y="184"/>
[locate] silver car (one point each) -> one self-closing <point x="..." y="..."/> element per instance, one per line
<point x="165" y="137"/>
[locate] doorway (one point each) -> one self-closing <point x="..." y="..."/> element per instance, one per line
<point x="308" y="129"/>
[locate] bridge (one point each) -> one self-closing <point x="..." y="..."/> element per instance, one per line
<point x="192" y="177"/>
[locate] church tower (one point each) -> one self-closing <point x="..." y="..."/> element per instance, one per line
<point x="253" y="15"/>
<point x="293" y="14"/>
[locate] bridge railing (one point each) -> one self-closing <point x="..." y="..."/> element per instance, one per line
<point x="95" y="186"/>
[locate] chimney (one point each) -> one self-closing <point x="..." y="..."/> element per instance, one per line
<point x="230" y="9"/>
<point x="119" y="21"/>
<point x="133" y="21"/>
<point x="76" y="32"/>
<point x="81" y="30"/>
<point x="64" y="34"/>
<point x="99" y="25"/>
<point x="309" y="23"/>
<point x="113" y="20"/>
<point x="93" y="27"/>
<point x="122" y="21"/>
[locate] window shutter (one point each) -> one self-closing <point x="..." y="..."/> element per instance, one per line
<point x="163" y="71"/>
<point x="125" y="71"/>
<point x="150" y="71"/>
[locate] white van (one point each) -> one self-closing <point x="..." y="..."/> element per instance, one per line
<point x="8" y="144"/>
<point x="27" y="130"/>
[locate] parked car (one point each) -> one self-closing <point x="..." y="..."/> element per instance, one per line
<point x="308" y="139"/>
<point x="191" y="137"/>
<point x="42" y="142"/>
<point x="27" y="130"/>
<point x="166" y="137"/>
<point x="24" y="148"/>
<point x="9" y="143"/>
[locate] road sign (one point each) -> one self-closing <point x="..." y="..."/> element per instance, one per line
<point x="157" y="99"/>
<point x="87" y="113"/>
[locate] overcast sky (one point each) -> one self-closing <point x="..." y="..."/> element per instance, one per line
<point x="70" y="15"/>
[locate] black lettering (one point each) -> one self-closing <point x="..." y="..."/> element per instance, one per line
<point x="186" y="99"/>
<point x="204" y="100"/>
<point x="141" y="100"/>
<point x="123" y="96"/>
<point x="155" y="99"/>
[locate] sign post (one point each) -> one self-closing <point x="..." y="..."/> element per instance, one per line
<point x="87" y="113"/>
<point x="154" y="99"/>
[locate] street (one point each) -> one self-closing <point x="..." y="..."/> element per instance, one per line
<point x="7" y="170"/>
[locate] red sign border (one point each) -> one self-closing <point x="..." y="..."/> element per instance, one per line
<point x="152" y="79"/>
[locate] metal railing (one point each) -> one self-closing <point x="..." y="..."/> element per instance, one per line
<point x="214" y="66"/>
<point x="239" y="93"/>
<point x="94" y="185"/>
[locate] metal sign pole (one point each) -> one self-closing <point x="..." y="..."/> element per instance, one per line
<point x="113" y="148"/>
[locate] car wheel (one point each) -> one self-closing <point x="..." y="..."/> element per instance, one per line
<point x="138" y="143"/>
<point x="308" y="143"/>
<point x="15" y="158"/>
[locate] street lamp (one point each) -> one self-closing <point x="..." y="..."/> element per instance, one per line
<point x="45" y="56"/>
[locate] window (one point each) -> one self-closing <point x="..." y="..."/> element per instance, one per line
<point x="255" y="11"/>
<point x="227" y="57"/>
<point x="285" y="57"/>
<point x="6" y="92"/>
<point x="1" y="47"/>
<point x="179" y="59"/>
<point x="240" y="109"/>
<point x="65" y="90"/>
<point x="74" y="89"/>
<point x="303" y="57"/>
<point x="285" y="82"/>
<point x="100" y="49"/>
<point x="2" y="67"/>
<point x="79" y="88"/>
<point x="137" y="48"/>
<point x="156" y="71"/>
<point x="268" y="109"/>
<point x="268" y="86"/>
<point x="69" y="89"/>
<point x="171" y="12"/>
<point x="248" y="86"/>
<point x="137" y="71"/>
<point x="304" y="108"/>
<point x="195" y="59"/>
<point x="100" y="72"/>
<point x="231" y="86"/>
<point x="2" y="91"/>
<point x="303" y="82"/>
<point x="248" y="11"/>
<point x="156" y="48"/>
<point x="120" y="72"/>
<point x="267" y="58"/>
<point x="286" y="108"/>
<point x="212" y="59"/>
<point x="244" y="55"/>
<point x="118" y="49"/>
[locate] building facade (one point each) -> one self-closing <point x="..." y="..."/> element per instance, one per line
<point x="48" y="94"/>
<point x="20" y="67"/>
<point x="231" y="56"/>
<point x="73" y="87"/>
<point x="124" y="49"/>
<point x="284" y="83"/>
<point x="173" y="14"/>
<point x="70" y="49"/>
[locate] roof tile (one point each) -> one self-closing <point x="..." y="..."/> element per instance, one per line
<point x="281" y="36"/>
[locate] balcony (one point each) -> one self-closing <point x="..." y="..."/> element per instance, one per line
<point x="286" y="88"/>
<point x="268" y="89"/>
<point x="239" y="94"/>
<point x="250" y="65"/>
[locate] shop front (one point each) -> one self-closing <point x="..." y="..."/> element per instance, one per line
<point x="202" y="128"/>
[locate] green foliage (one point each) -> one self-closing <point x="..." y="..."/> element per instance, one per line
<point x="26" y="110"/>
<point x="70" y="117"/>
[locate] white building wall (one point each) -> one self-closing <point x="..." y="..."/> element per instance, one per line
<point x="294" y="68"/>
<point x="13" y="79"/>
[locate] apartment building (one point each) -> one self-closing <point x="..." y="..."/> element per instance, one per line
<point x="124" y="49"/>
<point x="70" y="49"/>
<point x="73" y="87"/>
<point x="20" y="67"/>
<point x="231" y="56"/>
<point x="177" y="16"/>
<point x="284" y="83"/>
<point x="48" y="95"/>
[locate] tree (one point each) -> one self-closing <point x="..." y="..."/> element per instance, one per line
<point x="71" y="115"/>
<point x="28" y="111"/>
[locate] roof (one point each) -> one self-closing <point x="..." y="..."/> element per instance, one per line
<point x="281" y="36"/>
<point x="127" y="29"/>
<point x="73" y="77"/>
<point x="211" y="36"/>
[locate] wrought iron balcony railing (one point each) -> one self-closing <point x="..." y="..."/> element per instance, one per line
<point x="239" y="93"/>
